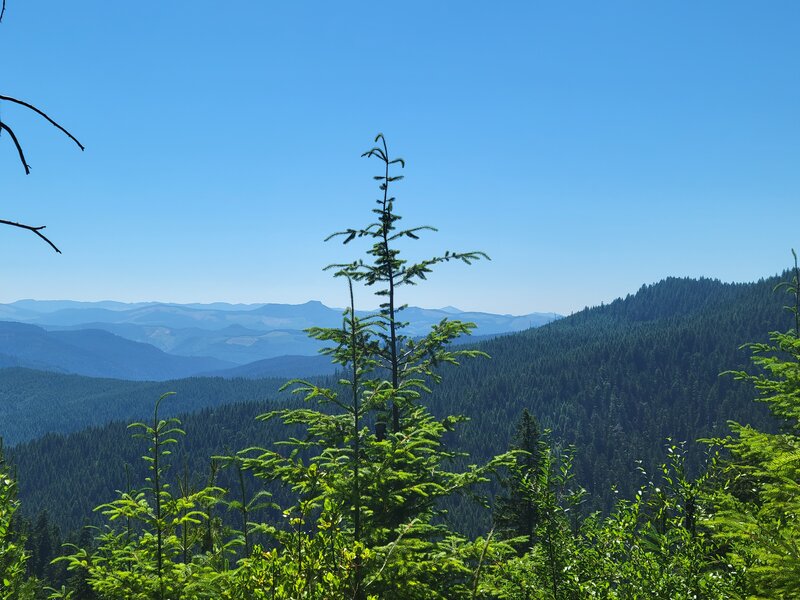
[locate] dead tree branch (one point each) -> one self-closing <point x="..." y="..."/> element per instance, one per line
<point x="36" y="230"/>
<point x="15" y="140"/>
<point x="42" y="114"/>
<point x="12" y="135"/>
<point x="19" y="148"/>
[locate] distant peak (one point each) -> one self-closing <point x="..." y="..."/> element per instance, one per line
<point x="451" y="310"/>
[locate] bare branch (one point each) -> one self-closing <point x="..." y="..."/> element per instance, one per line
<point x="12" y="135"/>
<point x="19" y="148"/>
<point x="42" y="114"/>
<point x="36" y="230"/>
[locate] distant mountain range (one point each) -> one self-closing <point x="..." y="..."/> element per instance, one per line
<point x="158" y="341"/>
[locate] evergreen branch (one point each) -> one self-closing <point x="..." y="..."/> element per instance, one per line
<point x="412" y="233"/>
<point x="392" y="546"/>
<point x="420" y="270"/>
<point x="353" y="233"/>
<point x="480" y="564"/>
<point x="375" y="152"/>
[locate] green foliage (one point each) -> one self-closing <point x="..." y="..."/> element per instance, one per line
<point x="547" y="503"/>
<point x="13" y="582"/>
<point x="152" y="548"/>
<point x="656" y="545"/>
<point x="405" y="360"/>
<point x="516" y="514"/>
<point x="100" y="461"/>
<point x="648" y="547"/>
<point x="367" y="509"/>
<point x="758" y="507"/>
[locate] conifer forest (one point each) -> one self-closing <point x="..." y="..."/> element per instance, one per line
<point x="646" y="448"/>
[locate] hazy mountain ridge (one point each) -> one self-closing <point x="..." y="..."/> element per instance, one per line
<point x="234" y="333"/>
<point x="259" y="317"/>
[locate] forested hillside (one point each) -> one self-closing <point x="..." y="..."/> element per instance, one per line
<point x="68" y="476"/>
<point x="33" y="403"/>
<point x="616" y="381"/>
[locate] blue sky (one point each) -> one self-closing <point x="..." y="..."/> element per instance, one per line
<point x="588" y="148"/>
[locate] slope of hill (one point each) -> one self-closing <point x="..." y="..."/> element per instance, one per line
<point x="618" y="380"/>
<point x="34" y="403"/>
<point x="95" y="353"/>
<point x="70" y="475"/>
<point x="615" y="380"/>
<point x="287" y="367"/>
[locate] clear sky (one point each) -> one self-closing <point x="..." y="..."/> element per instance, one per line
<point x="587" y="147"/>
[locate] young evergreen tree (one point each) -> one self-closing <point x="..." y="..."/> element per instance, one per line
<point x="384" y="268"/>
<point x="516" y="515"/>
<point x="154" y="552"/>
<point x="365" y="522"/>
<point x="758" y="508"/>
